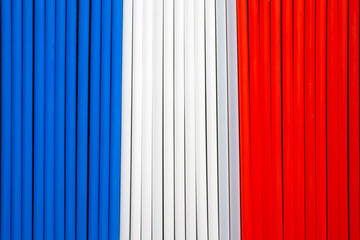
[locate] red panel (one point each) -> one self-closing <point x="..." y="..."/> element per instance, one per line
<point x="288" y="118"/>
<point x="320" y="116"/>
<point x="276" y="147"/>
<point x="255" y="117"/>
<point x="310" y="118"/>
<point x="354" y="211"/>
<point x="298" y="157"/>
<point x="245" y="180"/>
<point x="299" y="90"/>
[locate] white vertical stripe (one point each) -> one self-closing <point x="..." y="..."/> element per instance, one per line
<point x="200" y="134"/>
<point x="222" y="120"/>
<point x="136" y="121"/>
<point x="190" y="121"/>
<point x="126" y="121"/>
<point x="211" y="131"/>
<point x="233" y="99"/>
<point x="146" y="144"/>
<point x="157" y="144"/>
<point x="168" y="120"/>
<point x="179" y="122"/>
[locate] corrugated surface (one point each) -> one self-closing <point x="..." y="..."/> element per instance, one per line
<point x="60" y="119"/>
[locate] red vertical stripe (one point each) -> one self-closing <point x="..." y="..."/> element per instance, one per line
<point x="354" y="200"/>
<point x="299" y="205"/>
<point x="297" y="109"/>
<point x="332" y="122"/>
<point x="276" y="147"/>
<point x="342" y="157"/>
<point x="265" y="115"/>
<point x="244" y="111"/>
<point x="320" y="119"/>
<point x="255" y="117"/>
<point x="288" y="118"/>
<point x="310" y="119"/>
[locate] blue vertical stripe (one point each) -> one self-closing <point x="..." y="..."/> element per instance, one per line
<point x="93" y="221"/>
<point x="60" y="119"/>
<point x="115" y="119"/>
<point x="5" y="120"/>
<point x="59" y="142"/>
<point x="39" y="27"/>
<point x="70" y="119"/>
<point x="49" y="119"/>
<point x="16" y="107"/>
<point x="27" y="121"/>
<point x="82" y="118"/>
<point x="105" y="119"/>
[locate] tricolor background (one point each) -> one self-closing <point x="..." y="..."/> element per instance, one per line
<point x="179" y="119"/>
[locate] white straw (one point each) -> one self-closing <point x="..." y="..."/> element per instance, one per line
<point x="200" y="131"/>
<point x="222" y="120"/>
<point x="179" y="121"/>
<point x="190" y="121"/>
<point x="157" y="124"/>
<point x="146" y="143"/>
<point x="211" y="131"/>
<point x="233" y="108"/>
<point x="168" y="120"/>
<point x="136" y="120"/>
<point x="126" y="122"/>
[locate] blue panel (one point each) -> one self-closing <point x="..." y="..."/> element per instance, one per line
<point x="27" y="117"/>
<point x="115" y="119"/>
<point x="38" y="208"/>
<point x="70" y="119"/>
<point x="93" y="217"/>
<point x="59" y="141"/>
<point x="16" y="67"/>
<point x="82" y="118"/>
<point x="5" y="120"/>
<point x="105" y="119"/>
<point x="49" y="119"/>
<point x="60" y="111"/>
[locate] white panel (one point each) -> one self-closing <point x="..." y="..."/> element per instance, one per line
<point x="157" y="143"/>
<point x="126" y="122"/>
<point x="190" y="121"/>
<point x="200" y="133"/>
<point x="146" y="143"/>
<point x="179" y="121"/>
<point x="211" y="130"/>
<point x="168" y="120"/>
<point x="222" y="120"/>
<point x="233" y="108"/>
<point x="136" y="120"/>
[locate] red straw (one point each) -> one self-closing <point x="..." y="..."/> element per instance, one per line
<point x="288" y="118"/>
<point x="354" y="212"/>
<point x="245" y="181"/>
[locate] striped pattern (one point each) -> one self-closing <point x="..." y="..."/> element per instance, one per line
<point x="299" y="131"/>
<point x="179" y="119"/>
<point x="60" y="119"/>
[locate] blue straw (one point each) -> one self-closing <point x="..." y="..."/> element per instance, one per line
<point x="49" y="220"/>
<point x="39" y="29"/>
<point x="115" y="119"/>
<point x="16" y="106"/>
<point x="59" y="142"/>
<point x="82" y="124"/>
<point x="105" y="119"/>
<point x="27" y="120"/>
<point x="70" y="119"/>
<point x="5" y="120"/>
<point x="93" y="217"/>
